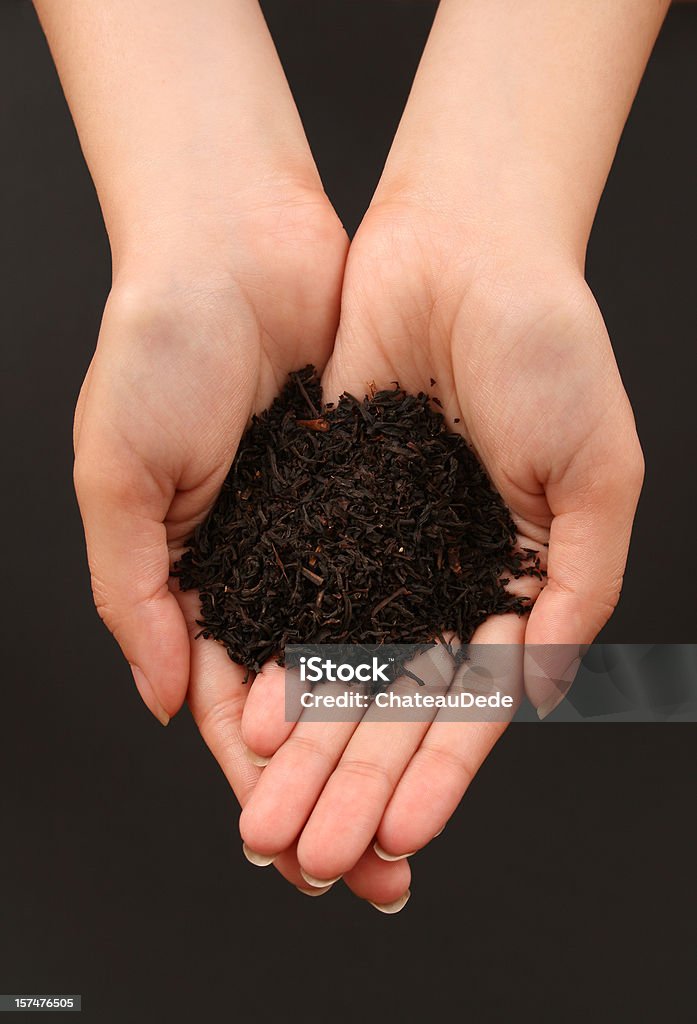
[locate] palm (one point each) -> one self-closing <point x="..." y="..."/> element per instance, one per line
<point x="520" y="357"/>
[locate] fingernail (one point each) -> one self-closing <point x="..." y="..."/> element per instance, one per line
<point x="439" y="833"/>
<point x="548" y="706"/>
<point x="395" y="906"/>
<point x="384" y="855"/>
<point x="314" y="891"/>
<point x="318" y="883"/>
<point x="256" y="759"/>
<point x="148" y="695"/>
<point x="259" y="860"/>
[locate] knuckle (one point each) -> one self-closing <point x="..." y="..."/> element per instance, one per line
<point x="119" y="600"/>
<point x="102" y="602"/>
<point x="449" y="760"/>
<point x="365" y="771"/>
<point x="221" y="718"/>
<point x="308" y="745"/>
<point x="607" y="603"/>
<point x="598" y="606"/>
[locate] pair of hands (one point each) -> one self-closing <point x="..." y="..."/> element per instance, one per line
<point x="521" y="358"/>
<point x="231" y="269"/>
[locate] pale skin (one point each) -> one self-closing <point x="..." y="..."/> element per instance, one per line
<point x="230" y="269"/>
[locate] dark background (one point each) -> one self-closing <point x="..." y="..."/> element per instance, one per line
<point x="565" y="885"/>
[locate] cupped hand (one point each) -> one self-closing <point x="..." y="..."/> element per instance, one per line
<point x="524" y="369"/>
<point x="194" y="340"/>
<point x="199" y="332"/>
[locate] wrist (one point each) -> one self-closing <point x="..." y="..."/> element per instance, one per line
<point x="533" y="142"/>
<point x="259" y="271"/>
<point x="497" y="251"/>
<point x="505" y="209"/>
<point x="219" y="235"/>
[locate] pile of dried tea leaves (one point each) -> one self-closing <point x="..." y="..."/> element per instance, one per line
<point x="364" y="522"/>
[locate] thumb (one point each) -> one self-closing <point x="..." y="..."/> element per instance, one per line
<point x="593" y="506"/>
<point x="123" y="509"/>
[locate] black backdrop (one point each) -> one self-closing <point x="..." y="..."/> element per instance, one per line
<point x="565" y="883"/>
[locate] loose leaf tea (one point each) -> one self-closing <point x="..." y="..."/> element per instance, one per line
<point x="364" y="522"/>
